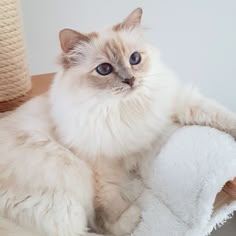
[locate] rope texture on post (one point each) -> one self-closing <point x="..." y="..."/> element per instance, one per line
<point x="15" y="81"/>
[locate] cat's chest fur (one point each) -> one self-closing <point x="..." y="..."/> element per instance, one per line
<point x="113" y="130"/>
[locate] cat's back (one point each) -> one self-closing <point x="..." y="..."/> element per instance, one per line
<point x="29" y="124"/>
<point x="31" y="116"/>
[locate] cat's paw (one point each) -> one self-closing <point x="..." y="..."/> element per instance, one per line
<point x="130" y="219"/>
<point x="128" y="222"/>
<point x="132" y="190"/>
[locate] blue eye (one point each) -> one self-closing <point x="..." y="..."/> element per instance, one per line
<point x="104" y="69"/>
<point x="135" y="58"/>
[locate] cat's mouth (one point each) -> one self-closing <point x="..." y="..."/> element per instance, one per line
<point x="124" y="89"/>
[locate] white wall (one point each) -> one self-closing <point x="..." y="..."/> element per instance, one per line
<point x="197" y="38"/>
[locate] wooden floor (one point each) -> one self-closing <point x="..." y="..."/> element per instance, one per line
<point x="41" y="83"/>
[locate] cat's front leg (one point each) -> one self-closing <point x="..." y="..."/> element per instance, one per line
<point x="116" y="211"/>
<point x="191" y="108"/>
<point x="115" y="202"/>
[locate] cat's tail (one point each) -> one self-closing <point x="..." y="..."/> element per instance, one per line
<point x="8" y="228"/>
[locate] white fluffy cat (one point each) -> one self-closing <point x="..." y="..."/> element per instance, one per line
<point x="86" y="145"/>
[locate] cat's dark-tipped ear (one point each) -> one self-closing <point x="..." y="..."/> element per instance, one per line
<point x="133" y="19"/>
<point x="69" y="38"/>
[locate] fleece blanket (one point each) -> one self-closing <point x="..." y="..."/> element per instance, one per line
<point x="187" y="175"/>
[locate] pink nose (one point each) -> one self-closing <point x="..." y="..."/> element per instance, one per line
<point x="129" y="81"/>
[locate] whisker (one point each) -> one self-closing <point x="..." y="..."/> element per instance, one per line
<point x="118" y="90"/>
<point x="156" y="74"/>
<point x="148" y="75"/>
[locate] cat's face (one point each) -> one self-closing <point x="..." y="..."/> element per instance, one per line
<point x="115" y="61"/>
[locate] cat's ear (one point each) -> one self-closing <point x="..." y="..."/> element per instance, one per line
<point x="133" y="19"/>
<point x="69" y="38"/>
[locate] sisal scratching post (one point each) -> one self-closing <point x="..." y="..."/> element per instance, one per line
<point x="14" y="76"/>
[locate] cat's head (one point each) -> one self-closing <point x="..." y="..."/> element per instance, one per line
<point x="115" y="61"/>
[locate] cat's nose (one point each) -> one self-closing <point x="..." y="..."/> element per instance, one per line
<point x="129" y="81"/>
